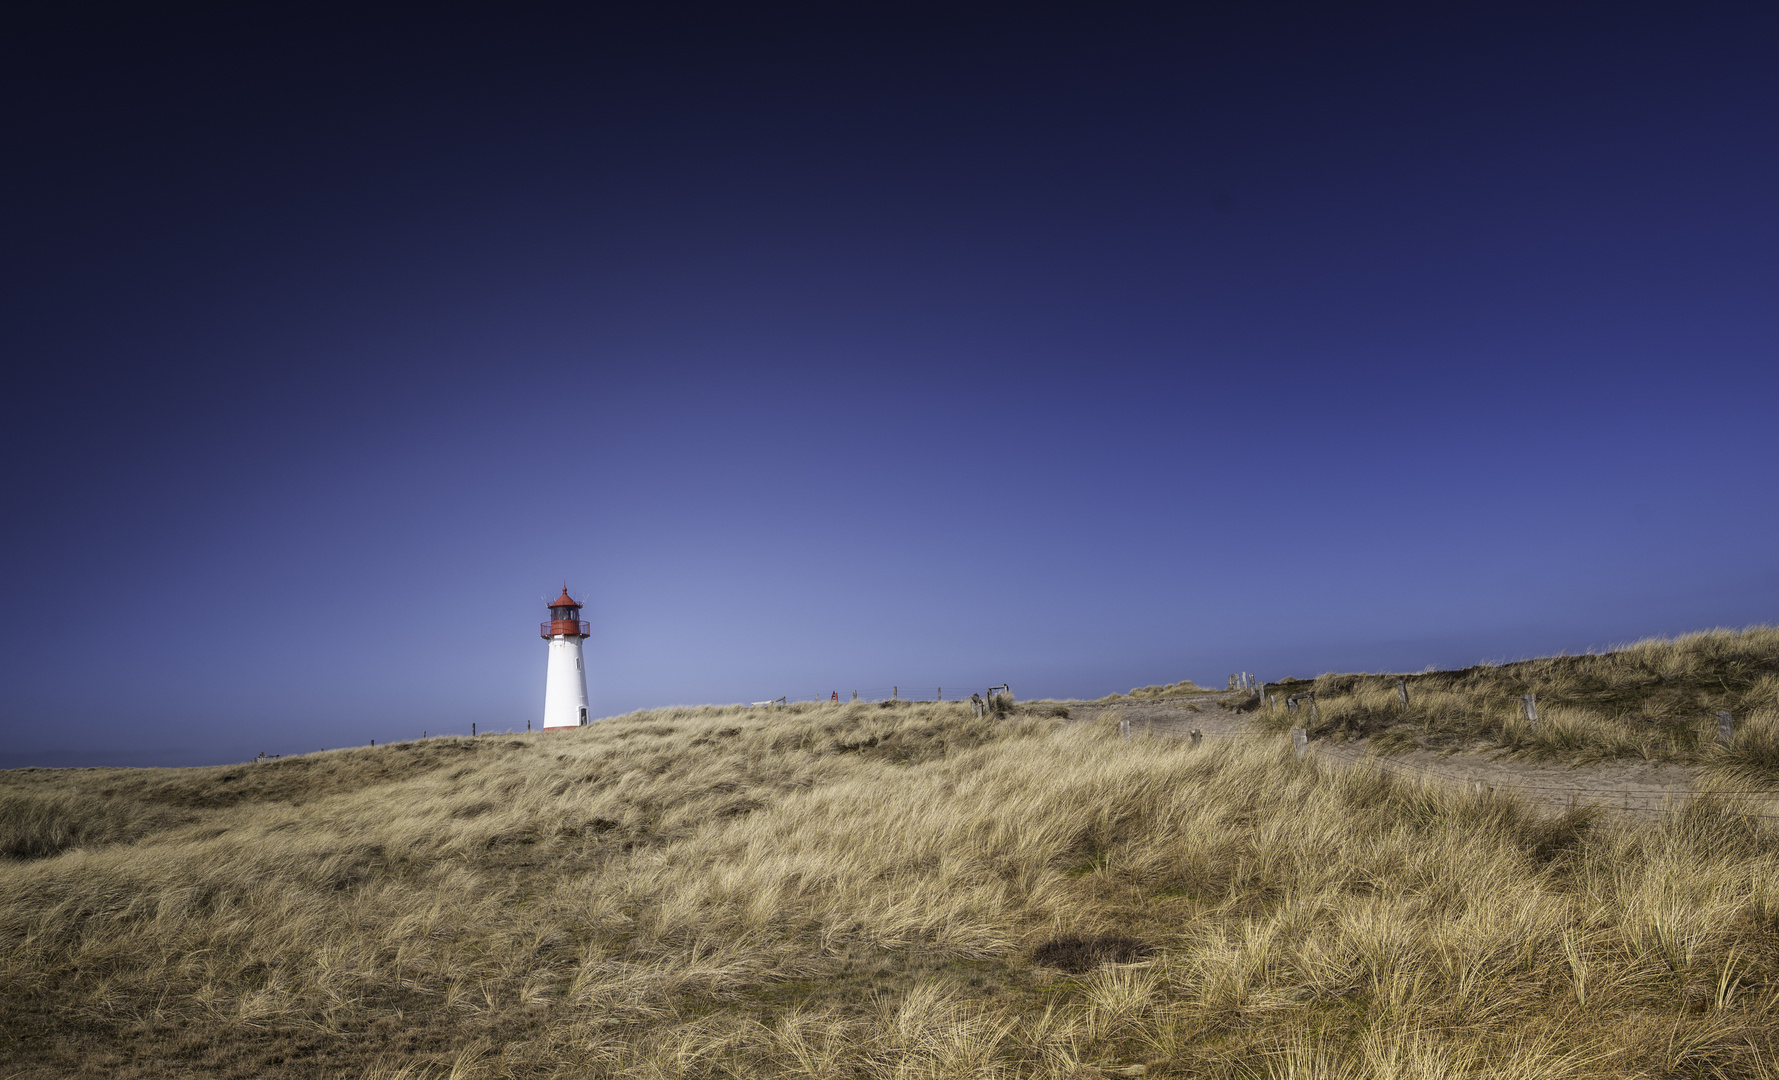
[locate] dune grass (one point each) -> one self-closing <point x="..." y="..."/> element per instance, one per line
<point x="868" y="891"/>
<point x="1654" y="700"/>
<point x="1183" y="688"/>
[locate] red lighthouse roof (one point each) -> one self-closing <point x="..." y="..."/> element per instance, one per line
<point x="565" y="600"/>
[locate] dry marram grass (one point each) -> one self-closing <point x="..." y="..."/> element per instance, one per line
<point x="1654" y="700"/>
<point x="1183" y="688"/>
<point x="858" y="891"/>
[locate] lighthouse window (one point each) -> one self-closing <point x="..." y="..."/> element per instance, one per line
<point x="577" y="664"/>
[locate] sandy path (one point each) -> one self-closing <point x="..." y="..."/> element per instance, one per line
<point x="1634" y="789"/>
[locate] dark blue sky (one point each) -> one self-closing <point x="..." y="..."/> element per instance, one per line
<point x="825" y="351"/>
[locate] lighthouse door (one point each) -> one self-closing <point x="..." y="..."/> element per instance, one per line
<point x="583" y="715"/>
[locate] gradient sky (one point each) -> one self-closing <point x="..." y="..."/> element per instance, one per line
<point x="849" y="349"/>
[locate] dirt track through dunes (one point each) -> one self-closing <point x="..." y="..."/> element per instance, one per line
<point x="1643" y="790"/>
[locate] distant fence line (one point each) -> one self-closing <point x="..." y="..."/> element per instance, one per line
<point x="908" y="692"/>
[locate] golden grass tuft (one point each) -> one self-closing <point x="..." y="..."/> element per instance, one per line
<point x="1183" y="688"/>
<point x="860" y="891"/>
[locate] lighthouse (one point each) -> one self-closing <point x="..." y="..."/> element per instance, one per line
<point x="565" y="682"/>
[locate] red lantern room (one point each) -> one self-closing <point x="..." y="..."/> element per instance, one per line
<point x="565" y="618"/>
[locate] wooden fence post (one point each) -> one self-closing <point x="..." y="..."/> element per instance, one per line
<point x="1315" y="713"/>
<point x="1291" y="704"/>
<point x="1124" y="729"/>
<point x="1529" y="708"/>
<point x="1402" y="692"/>
<point x="1724" y="727"/>
<point x="895" y="693"/>
<point x="1196" y="736"/>
<point x="1301" y="740"/>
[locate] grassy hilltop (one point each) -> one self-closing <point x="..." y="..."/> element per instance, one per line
<point x="1653" y="700"/>
<point x="860" y="890"/>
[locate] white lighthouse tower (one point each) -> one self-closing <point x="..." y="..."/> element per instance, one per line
<point x="565" y="684"/>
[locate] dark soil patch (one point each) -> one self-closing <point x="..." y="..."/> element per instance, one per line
<point x="1077" y="953"/>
